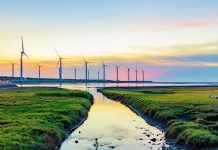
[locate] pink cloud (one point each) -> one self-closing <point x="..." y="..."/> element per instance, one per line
<point x="191" y="24"/>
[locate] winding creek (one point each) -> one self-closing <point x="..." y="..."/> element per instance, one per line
<point x="111" y="125"/>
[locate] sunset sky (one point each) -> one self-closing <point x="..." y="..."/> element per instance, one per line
<point x="173" y="40"/>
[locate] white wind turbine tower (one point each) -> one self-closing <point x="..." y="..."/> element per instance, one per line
<point x="60" y="65"/>
<point x="12" y="69"/>
<point x="128" y="73"/>
<point x="104" y="70"/>
<point x="136" y="73"/>
<point x="88" y="74"/>
<point x="143" y="75"/>
<point x="75" y="73"/>
<point x="117" y="72"/>
<point x="21" y="60"/>
<point x="99" y="73"/>
<point x="39" y="70"/>
<point x="86" y="68"/>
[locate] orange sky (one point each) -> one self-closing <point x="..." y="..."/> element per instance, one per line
<point x="153" y="35"/>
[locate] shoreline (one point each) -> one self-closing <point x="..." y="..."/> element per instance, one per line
<point x="71" y="129"/>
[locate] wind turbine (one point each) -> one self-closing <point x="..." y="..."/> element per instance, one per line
<point x="143" y="75"/>
<point x="60" y="65"/>
<point x="128" y="73"/>
<point x="21" y="60"/>
<point x="75" y="71"/>
<point x="39" y="70"/>
<point x="88" y="74"/>
<point x="117" y="72"/>
<point x="99" y="70"/>
<point x="86" y="68"/>
<point x="99" y="74"/>
<point x="12" y="69"/>
<point x="104" y="70"/>
<point x="136" y="73"/>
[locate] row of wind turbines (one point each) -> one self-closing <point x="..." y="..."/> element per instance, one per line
<point x="85" y="67"/>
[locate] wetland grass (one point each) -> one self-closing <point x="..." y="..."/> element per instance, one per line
<point x="189" y="113"/>
<point x="39" y="118"/>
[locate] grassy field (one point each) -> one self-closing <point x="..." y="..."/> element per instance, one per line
<point x="39" y="118"/>
<point x="189" y="113"/>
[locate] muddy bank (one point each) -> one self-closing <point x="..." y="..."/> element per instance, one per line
<point x="71" y="129"/>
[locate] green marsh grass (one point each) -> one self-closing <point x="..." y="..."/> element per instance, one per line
<point x="189" y="113"/>
<point x="39" y="118"/>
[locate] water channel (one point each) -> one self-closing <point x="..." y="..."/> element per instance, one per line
<point x="111" y="125"/>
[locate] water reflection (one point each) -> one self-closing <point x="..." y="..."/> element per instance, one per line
<point x="111" y="125"/>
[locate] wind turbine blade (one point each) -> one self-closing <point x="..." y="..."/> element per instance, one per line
<point x="58" y="62"/>
<point x="39" y="65"/>
<point x="75" y="68"/>
<point x="116" y="66"/>
<point x="84" y="66"/>
<point x="109" y="65"/>
<point x="83" y="59"/>
<point x="12" y="63"/>
<point x="57" y="53"/>
<point x="26" y="55"/>
<point x="22" y="44"/>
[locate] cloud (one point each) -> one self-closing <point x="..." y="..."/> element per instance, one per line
<point x="201" y="54"/>
<point x="195" y="60"/>
<point x="179" y="50"/>
<point x="191" y="24"/>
